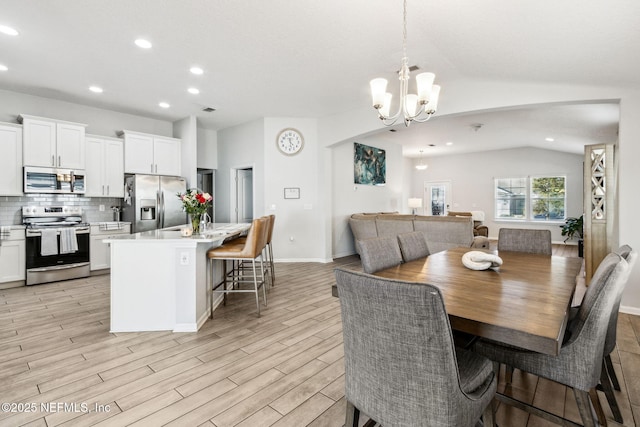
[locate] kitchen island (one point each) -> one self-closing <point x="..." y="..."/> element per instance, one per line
<point x="159" y="278"/>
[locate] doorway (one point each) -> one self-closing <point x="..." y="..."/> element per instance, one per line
<point x="242" y="194"/>
<point x="437" y="198"/>
<point x="206" y="183"/>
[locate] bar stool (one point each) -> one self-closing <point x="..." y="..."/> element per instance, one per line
<point x="268" y="251"/>
<point x="251" y="249"/>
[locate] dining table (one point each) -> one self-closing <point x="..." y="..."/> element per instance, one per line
<point x="524" y="302"/>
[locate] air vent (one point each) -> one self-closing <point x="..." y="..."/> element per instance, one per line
<point x="208" y="109"/>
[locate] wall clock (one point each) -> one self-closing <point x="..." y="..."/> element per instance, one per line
<point x="290" y="141"/>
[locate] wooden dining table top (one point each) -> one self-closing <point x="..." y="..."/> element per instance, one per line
<point x="525" y="302"/>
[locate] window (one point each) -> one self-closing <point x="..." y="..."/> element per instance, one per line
<point x="511" y="195"/>
<point x="536" y="198"/>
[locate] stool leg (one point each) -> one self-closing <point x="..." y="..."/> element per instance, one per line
<point x="255" y="285"/>
<point x="273" y="271"/>
<point x="210" y="284"/>
<point x="264" y="282"/>
<point x="224" y="281"/>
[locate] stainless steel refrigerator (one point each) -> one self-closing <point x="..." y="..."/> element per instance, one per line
<point x="151" y="202"/>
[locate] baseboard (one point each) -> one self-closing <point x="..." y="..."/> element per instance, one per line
<point x="344" y="254"/>
<point x="185" y="327"/>
<point x="630" y="310"/>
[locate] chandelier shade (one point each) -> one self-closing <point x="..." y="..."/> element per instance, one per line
<point x="417" y="107"/>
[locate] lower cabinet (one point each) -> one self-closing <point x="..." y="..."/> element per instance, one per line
<point x="100" y="253"/>
<point x="12" y="258"/>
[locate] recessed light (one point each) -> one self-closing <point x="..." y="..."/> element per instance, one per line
<point x="196" y="70"/>
<point x="549" y="139"/>
<point x="96" y="89"/>
<point x="164" y="105"/>
<point x="193" y="90"/>
<point x="8" y="30"/>
<point x="145" y="44"/>
<point x="449" y="143"/>
<point x="3" y="67"/>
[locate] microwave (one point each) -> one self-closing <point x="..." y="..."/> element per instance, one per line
<point x="51" y="180"/>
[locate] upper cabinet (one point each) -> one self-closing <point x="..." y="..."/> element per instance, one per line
<point x="53" y="143"/>
<point x="104" y="167"/>
<point x="151" y="154"/>
<point x="10" y="160"/>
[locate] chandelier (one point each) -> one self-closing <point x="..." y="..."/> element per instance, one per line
<point x="422" y="165"/>
<point x="412" y="107"/>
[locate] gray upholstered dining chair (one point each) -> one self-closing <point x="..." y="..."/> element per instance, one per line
<point x="379" y="253"/>
<point x="401" y="367"/>
<point x="609" y="380"/>
<point x="579" y="362"/>
<point x="413" y="245"/>
<point x="524" y="240"/>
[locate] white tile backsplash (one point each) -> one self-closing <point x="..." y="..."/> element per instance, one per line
<point x="11" y="207"/>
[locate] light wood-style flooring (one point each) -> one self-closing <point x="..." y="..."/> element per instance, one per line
<point x="59" y="365"/>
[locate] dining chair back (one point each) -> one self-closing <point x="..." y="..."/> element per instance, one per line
<point x="413" y="245"/>
<point x="525" y="240"/>
<point x="609" y="379"/>
<point x="401" y="366"/>
<point x="579" y="362"/>
<point x="380" y="253"/>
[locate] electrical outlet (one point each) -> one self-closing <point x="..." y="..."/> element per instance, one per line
<point x="184" y="258"/>
<point x="101" y="208"/>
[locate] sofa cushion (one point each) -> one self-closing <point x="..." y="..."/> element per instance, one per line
<point x="392" y="225"/>
<point x="445" y="232"/>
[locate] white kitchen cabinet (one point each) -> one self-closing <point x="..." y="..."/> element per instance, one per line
<point x="151" y="154"/>
<point x="100" y="253"/>
<point x="53" y="143"/>
<point x="12" y="257"/>
<point x="10" y="160"/>
<point x="104" y="167"/>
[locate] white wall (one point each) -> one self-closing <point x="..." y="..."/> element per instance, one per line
<point x="350" y="198"/>
<point x="240" y="147"/>
<point x="207" y="149"/>
<point x="99" y="121"/>
<point x="628" y="200"/>
<point x="472" y="176"/>
<point x="298" y="223"/>
<point x="186" y="130"/>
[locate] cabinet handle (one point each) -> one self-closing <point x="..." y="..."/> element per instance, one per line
<point x="59" y="161"/>
<point x="103" y="189"/>
<point x="107" y="189"/>
<point x="151" y="167"/>
<point x="53" y="160"/>
<point x="156" y="168"/>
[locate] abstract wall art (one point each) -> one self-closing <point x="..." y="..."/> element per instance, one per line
<point x="369" y="165"/>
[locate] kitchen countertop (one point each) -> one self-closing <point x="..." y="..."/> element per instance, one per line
<point x="218" y="232"/>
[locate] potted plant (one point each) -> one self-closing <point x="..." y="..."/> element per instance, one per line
<point x="573" y="228"/>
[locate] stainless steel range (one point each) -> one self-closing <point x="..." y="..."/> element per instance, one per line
<point x="57" y="246"/>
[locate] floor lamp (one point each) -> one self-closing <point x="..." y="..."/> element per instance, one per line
<point x="415" y="204"/>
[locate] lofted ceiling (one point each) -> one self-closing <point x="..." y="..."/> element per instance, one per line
<point x="284" y="58"/>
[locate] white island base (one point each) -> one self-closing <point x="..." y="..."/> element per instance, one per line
<point x="158" y="279"/>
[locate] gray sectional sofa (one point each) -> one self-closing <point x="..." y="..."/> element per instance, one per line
<point x="440" y="232"/>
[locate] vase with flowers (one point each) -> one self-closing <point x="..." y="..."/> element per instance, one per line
<point x="195" y="203"/>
